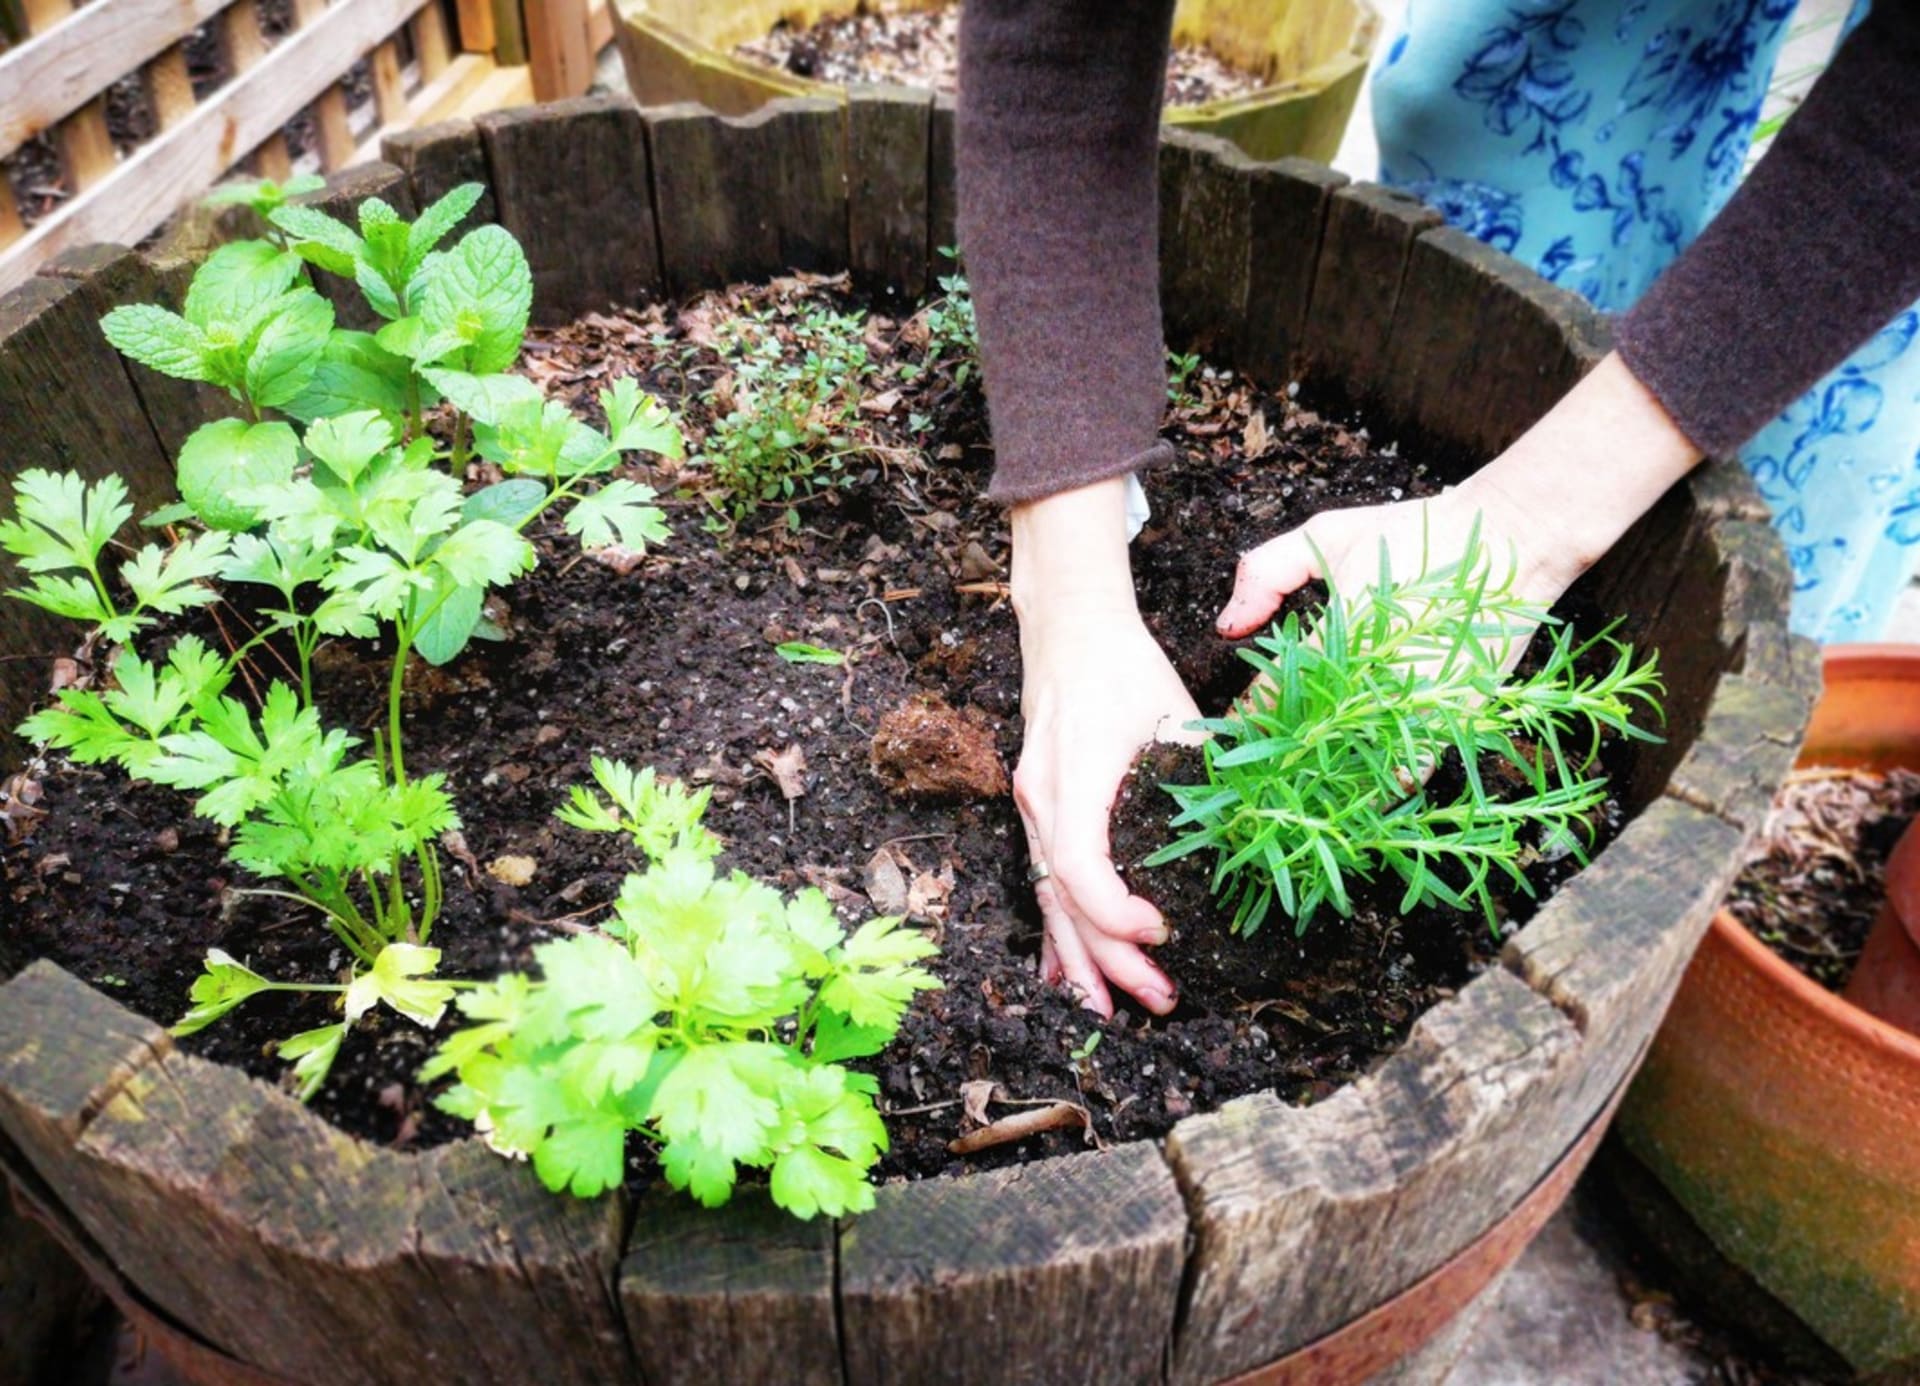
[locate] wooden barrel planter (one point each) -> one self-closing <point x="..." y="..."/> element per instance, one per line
<point x="1314" y="54"/>
<point x="1354" y="1229"/>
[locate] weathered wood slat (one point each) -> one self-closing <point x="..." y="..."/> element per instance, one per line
<point x="110" y="276"/>
<point x="64" y="1051"/>
<point x="1368" y="237"/>
<point x="749" y="197"/>
<point x="1062" y="1270"/>
<point x="439" y="158"/>
<point x="1206" y="235"/>
<point x="889" y="130"/>
<point x="1386" y="1179"/>
<point x="572" y="181"/>
<point x="745" y="1296"/>
<point x="1481" y="346"/>
<point x="60" y="69"/>
<point x="192" y="156"/>
<point x="1286" y="220"/>
<point x="168" y="85"/>
<point x="432" y="49"/>
<point x="942" y="185"/>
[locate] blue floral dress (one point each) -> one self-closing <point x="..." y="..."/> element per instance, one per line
<point x="1593" y="139"/>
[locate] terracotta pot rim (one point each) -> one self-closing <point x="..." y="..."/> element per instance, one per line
<point x="1840" y="663"/>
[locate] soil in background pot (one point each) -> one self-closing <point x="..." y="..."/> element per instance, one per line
<point x="670" y="660"/>
<point x="1816" y="877"/>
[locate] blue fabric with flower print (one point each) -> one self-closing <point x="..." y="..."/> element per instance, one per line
<point x="1592" y="140"/>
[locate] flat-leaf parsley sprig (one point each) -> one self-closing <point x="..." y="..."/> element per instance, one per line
<point x="1316" y="779"/>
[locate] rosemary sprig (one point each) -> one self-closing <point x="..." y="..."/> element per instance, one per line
<point x="1316" y="780"/>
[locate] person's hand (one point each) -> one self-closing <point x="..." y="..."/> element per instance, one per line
<point x="1548" y="507"/>
<point x="1096" y="688"/>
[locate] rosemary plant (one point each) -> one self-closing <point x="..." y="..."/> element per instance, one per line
<point x="1317" y="779"/>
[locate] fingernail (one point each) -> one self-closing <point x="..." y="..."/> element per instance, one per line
<point x="1157" y="999"/>
<point x="1154" y="937"/>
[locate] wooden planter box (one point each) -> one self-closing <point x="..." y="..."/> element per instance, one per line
<point x="1316" y="51"/>
<point x="247" y="1223"/>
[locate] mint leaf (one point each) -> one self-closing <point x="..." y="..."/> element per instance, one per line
<point x="288" y="350"/>
<point x="451" y="613"/>
<point x="352" y="374"/>
<point x="227" y="455"/>
<point x="158" y="339"/>
<point x="432" y="225"/>
<point x="482" y="294"/>
<point x="508" y="502"/>
<point x="237" y="280"/>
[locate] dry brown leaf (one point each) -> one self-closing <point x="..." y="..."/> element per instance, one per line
<point x="788" y="768"/>
<point x="618" y="557"/>
<point x="512" y="869"/>
<point x="827" y="880"/>
<point x="974" y="1098"/>
<point x="1054" y="1116"/>
<point x="882" y="403"/>
<point x="1254" y="439"/>
<point x="928" y="892"/>
<point x="887" y="882"/>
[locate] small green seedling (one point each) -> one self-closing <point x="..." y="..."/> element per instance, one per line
<point x="800" y="652"/>
<point x="1316" y="780"/>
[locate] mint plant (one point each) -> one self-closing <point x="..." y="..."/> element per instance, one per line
<point x="330" y="498"/>
<point x="708" y="1015"/>
<point x="1316" y="779"/>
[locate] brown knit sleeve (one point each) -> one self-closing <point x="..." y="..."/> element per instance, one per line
<point x="1056" y="145"/>
<point x="1818" y="250"/>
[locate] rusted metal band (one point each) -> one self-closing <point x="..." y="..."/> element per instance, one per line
<point x="1385" y="1334"/>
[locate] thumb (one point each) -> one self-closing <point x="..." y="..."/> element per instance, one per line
<point x="1266" y="576"/>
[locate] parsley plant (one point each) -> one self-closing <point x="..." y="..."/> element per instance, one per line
<point x="329" y="495"/>
<point x="709" y="1015"/>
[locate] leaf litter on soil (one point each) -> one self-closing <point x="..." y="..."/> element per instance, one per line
<point x="674" y="660"/>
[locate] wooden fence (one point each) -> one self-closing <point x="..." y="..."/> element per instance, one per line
<point x="114" y="112"/>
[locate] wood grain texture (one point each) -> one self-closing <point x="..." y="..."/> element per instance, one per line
<point x="943" y="206"/>
<point x="572" y="180"/>
<point x="1059" y="1271"/>
<point x="1305" y="1218"/>
<point x="64" y="1051"/>
<point x="1286" y="220"/>
<point x="889" y="129"/>
<point x="1206" y="241"/>
<point x="62" y="68"/>
<point x="747" y="1295"/>
<point x="440" y="157"/>
<point x="145" y="188"/>
<point x="1364" y="249"/>
<point x="1610" y="952"/>
<point x="69" y="405"/>
<point x="1480" y="347"/>
<point x="111" y="276"/>
<point x="749" y="197"/>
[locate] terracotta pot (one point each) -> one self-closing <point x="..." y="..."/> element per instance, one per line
<point x="1886" y="981"/>
<point x="1786" y="1120"/>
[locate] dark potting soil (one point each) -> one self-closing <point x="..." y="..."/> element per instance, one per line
<point x="669" y="660"/>
<point x="1816" y="878"/>
<point x="921" y="47"/>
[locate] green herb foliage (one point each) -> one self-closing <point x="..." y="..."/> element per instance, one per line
<point x="953" y="334"/>
<point x="1315" y="781"/>
<point x="330" y="497"/>
<point x="709" y="1015"/>
<point x="795" y="389"/>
